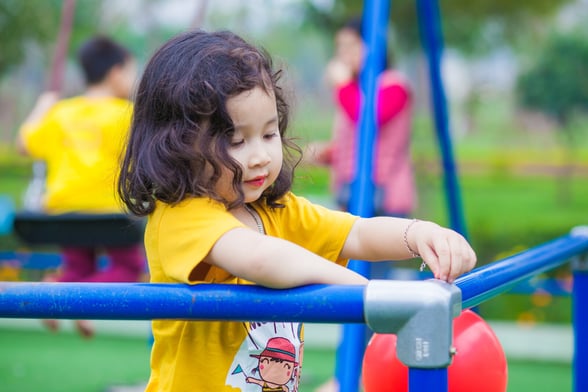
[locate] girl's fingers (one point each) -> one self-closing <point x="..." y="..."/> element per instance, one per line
<point x="447" y="253"/>
<point x="443" y="251"/>
<point x="456" y="267"/>
<point x="449" y="256"/>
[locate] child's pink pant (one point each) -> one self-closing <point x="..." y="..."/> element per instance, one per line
<point x="126" y="264"/>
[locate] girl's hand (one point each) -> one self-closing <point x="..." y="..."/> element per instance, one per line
<point x="318" y="153"/>
<point x="338" y="73"/>
<point x="445" y="251"/>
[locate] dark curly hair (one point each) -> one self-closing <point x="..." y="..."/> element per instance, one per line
<point x="181" y="125"/>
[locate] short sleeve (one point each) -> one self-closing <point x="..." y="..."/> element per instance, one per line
<point x="319" y="229"/>
<point x="178" y="238"/>
<point x="40" y="137"/>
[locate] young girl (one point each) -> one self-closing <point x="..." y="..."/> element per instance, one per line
<point x="209" y="163"/>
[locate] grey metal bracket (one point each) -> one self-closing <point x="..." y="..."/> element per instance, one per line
<point x="420" y="313"/>
<point x="580" y="262"/>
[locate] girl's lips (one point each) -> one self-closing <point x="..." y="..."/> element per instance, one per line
<point x="256" y="182"/>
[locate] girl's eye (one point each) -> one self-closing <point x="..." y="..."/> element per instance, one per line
<point x="272" y="135"/>
<point x="237" y="143"/>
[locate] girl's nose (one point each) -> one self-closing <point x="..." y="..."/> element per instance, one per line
<point x="259" y="155"/>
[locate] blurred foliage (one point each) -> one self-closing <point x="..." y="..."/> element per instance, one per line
<point x="557" y="83"/>
<point x="474" y="27"/>
<point x="24" y="24"/>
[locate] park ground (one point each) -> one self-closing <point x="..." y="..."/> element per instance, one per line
<point x="117" y="359"/>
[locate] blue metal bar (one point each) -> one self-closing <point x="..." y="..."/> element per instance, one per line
<point x="31" y="260"/>
<point x="316" y="303"/>
<point x="432" y="37"/>
<point x="427" y="380"/>
<point x="375" y="20"/>
<point x="146" y="301"/>
<point x="490" y="280"/>
<point x="580" y="321"/>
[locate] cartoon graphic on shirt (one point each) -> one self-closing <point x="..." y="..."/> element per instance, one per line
<point x="276" y="365"/>
<point x="269" y="359"/>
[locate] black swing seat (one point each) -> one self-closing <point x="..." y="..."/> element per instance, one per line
<point x="78" y="229"/>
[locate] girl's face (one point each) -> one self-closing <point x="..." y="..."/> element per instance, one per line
<point x="256" y="143"/>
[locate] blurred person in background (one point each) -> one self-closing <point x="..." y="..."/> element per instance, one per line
<point x="393" y="176"/>
<point x="80" y="139"/>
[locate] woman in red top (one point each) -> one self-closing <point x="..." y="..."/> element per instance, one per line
<point x="393" y="176"/>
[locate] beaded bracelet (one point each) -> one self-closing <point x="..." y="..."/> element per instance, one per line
<point x="410" y="250"/>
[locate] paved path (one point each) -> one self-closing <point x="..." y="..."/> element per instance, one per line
<point x="545" y="342"/>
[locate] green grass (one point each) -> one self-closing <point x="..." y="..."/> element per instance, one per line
<point x="40" y="361"/>
<point x="32" y="361"/>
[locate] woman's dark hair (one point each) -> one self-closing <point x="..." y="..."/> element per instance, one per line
<point x="98" y="56"/>
<point x="181" y="129"/>
<point x="355" y="24"/>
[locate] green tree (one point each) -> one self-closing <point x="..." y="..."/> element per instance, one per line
<point x="556" y="84"/>
<point x="36" y="23"/>
<point x="471" y="26"/>
<point x="22" y="23"/>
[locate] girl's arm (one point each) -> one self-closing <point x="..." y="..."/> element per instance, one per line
<point x="274" y="262"/>
<point x="446" y="252"/>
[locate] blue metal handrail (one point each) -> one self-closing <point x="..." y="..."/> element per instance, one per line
<point x="147" y="301"/>
<point x="314" y="303"/>
<point x="490" y="280"/>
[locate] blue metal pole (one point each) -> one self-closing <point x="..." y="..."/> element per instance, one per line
<point x="375" y="20"/>
<point x="315" y="303"/>
<point x="427" y="380"/>
<point x="431" y="33"/>
<point x="580" y="322"/>
<point x="492" y="279"/>
<point x="146" y="301"/>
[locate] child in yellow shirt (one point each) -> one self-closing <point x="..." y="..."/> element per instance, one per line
<point x="80" y="139"/>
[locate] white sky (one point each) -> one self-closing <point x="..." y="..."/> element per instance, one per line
<point x="259" y="14"/>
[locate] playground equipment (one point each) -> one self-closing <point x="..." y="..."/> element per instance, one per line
<point x="478" y="356"/>
<point x="376" y="12"/>
<point x="381" y="305"/>
<point x="406" y="308"/>
<point x="77" y="229"/>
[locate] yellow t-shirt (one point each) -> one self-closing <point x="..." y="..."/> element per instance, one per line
<point x="220" y="355"/>
<point x="81" y="139"/>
